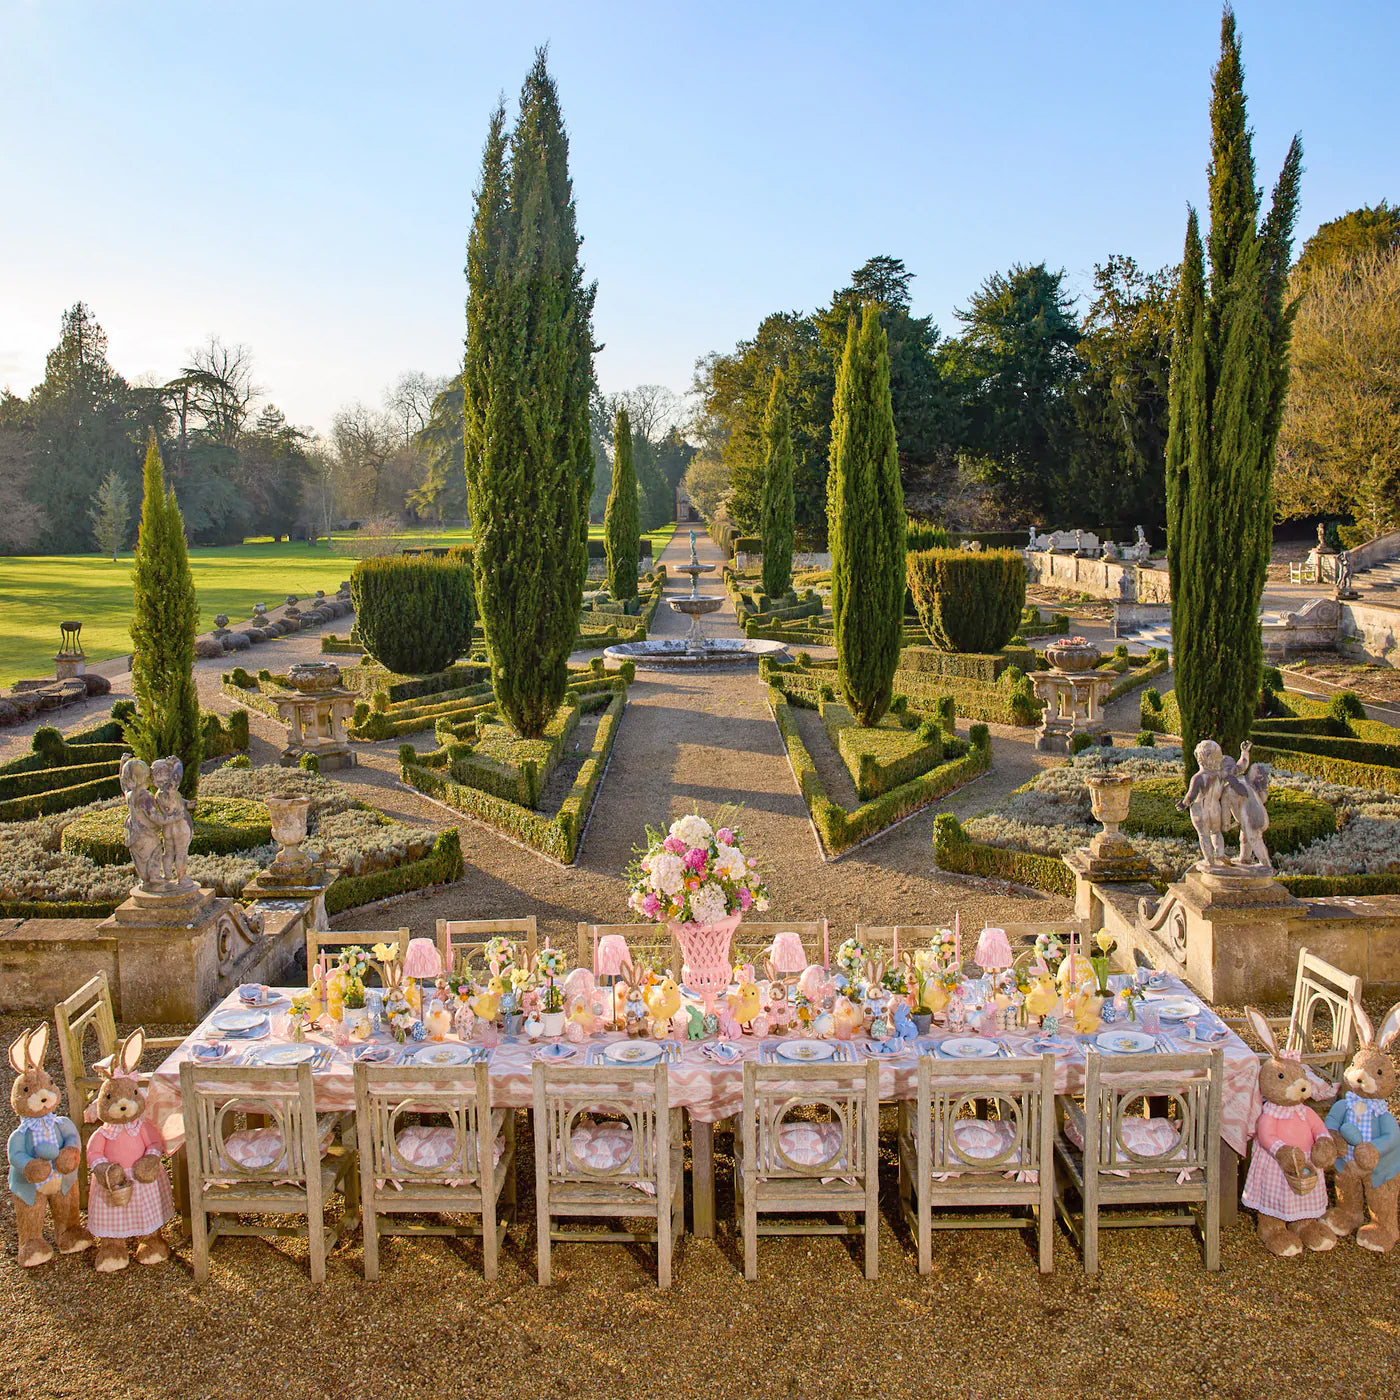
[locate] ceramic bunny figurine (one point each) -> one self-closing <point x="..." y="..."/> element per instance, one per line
<point x="1287" y="1184"/>
<point x="44" y="1152"/>
<point x="1368" y="1140"/>
<point x="129" y="1192"/>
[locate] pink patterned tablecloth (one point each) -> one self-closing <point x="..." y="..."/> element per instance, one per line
<point x="708" y="1090"/>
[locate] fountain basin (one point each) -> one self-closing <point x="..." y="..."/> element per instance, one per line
<point x="673" y="653"/>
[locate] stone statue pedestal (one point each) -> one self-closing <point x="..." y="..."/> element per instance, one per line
<point x="1108" y="857"/>
<point x="1228" y="886"/>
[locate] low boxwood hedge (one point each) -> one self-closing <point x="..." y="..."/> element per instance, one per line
<point x="1320" y="886"/>
<point x="222" y="825"/>
<point x="966" y="665"/>
<point x="1295" y="819"/>
<point x="45" y="804"/>
<point x="955" y="851"/>
<point x="46" y="779"/>
<point x="442" y="866"/>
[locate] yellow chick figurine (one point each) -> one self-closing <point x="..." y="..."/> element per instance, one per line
<point x="1085" y="1010"/>
<point x="847" y="1017"/>
<point x="487" y="1003"/>
<point x="581" y="1015"/>
<point x="663" y="999"/>
<point x="746" y="1003"/>
<point x="1043" y="996"/>
<point x="936" y="996"/>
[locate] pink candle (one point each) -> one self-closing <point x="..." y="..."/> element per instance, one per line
<point x="957" y="937"/>
<point x="1069" y="981"/>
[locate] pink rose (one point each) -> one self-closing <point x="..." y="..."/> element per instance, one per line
<point x="724" y="836"/>
<point x="675" y="845"/>
<point x="651" y="906"/>
<point x="753" y="864"/>
<point x="695" y="860"/>
<point x="745" y="898"/>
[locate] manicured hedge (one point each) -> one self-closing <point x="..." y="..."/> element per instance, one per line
<point x="973" y="666"/>
<point x="1295" y="819"/>
<point x="414" y="613"/>
<point x="442" y="866"/>
<point x="955" y="851"/>
<point x="1136" y="676"/>
<point x="968" y="602"/>
<point x="222" y="825"/>
<point x="1319" y="886"/>
<point x="839" y="829"/>
<point x="44" y="804"/>
<point x="42" y="779"/>
<point x="881" y="758"/>
<point x="1332" y="770"/>
<point x="556" y="836"/>
<point x="45" y="909"/>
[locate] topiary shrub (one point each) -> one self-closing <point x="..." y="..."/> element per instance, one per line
<point x="945" y="708"/>
<point x="309" y="763"/>
<point x="628" y="671"/>
<point x="414" y="613"/>
<point x="1272" y="677"/>
<point x="1346" y="705"/>
<point x="968" y="602"/>
<point x="123" y="710"/>
<point x="1079" y="742"/>
<point x="924" y="534"/>
<point x="239" y="760"/>
<point x="48" y="744"/>
<point x="979" y="736"/>
<point x="1146" y="739"/>
<point x="803" y="658"/>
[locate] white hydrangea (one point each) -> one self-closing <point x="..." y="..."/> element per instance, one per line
<point x="730" y="863"/>
<point x="667" y="873"/>
<point x="694" y="830"/>
<point x="707" y="904"/>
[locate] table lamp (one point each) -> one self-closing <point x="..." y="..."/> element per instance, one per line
<point x="993" y="950"/>
<point x="788" y="956"/>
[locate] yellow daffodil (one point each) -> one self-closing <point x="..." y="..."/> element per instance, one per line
<point x="386" y="952"/>
<point x="1105" y="941"/>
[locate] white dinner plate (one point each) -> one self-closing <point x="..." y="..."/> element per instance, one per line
<point x="969" y="1047"/>
<point x="806" y="1051"/>
<point x="1124" y="1042"/>
<point x="450" y="1052"/>
<point x="633" y="1052"/>
<point x="237" y="1020"/>
<point x="1176" y="1008"/>
<point x="281" y="1056"/>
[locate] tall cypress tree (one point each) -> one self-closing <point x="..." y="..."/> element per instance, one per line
<point x="865" y="517"/>
<point x="778" y="502"/>
<point x="164" y="618"/>
<point x="1229" y="376"/>
<point x="620" y="520"/>
<point x="528" y="374"/>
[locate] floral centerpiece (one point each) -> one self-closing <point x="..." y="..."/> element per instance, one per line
<point x="1105" y="945"/>
<point x="352" y="971"/>
<point x="1050" y="949"/>
<point x="550" y="966"/>
<point x="698" y="880"/>
<point x="850" y="960"/>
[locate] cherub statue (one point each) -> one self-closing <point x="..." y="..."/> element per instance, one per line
<point x="1142" y="541"/>
<point x="1249" y="810"/>
<point x="144" y="824"/>
<point x="176" y="827"/>
<point x="1204" y="799"/>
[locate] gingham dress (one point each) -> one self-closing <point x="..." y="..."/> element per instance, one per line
<point x="1266" y="1188"/>
<point x="150" y="1205"/>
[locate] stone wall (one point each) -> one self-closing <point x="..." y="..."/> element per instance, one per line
<point x="1370" y="632"/>
<point x="1100" y="578"/>
<point x="1376" y="551"/>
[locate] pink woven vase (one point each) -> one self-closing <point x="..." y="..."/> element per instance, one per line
<point x="705" y="956"/>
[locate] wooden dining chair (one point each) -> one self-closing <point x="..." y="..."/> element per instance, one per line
<point x="1111" y="1152"/>
<point x="334" y="940"/>
<point x="608" y="1145"/>
<point x="648" y="944"/>
<point x="462" y="942"/>
<point x="291" y="1167"/>
<point x="409" y="1167"/>
<point x="753" y="941"/>
<point x="979" y="1136"/>
<point x="1317" y="987"/>
<point x="89" y="1012"/>
<point x="822" y="1161"/>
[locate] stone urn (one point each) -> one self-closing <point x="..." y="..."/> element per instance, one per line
<point x="310" y="677"/>
<point x="1109" y="855"/>
<point x="288" y="816"/>
<point x="1109" y="794"/>
<point x="1074" y="655"/>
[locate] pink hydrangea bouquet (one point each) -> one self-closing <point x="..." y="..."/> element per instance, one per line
<point x="695" y="873"/>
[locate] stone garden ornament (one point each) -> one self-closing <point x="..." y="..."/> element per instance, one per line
<point x="1224" y="795"/>
<point x="158" y="825"/>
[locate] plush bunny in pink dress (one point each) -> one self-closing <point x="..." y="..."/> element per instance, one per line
<point x="129" y="1195"/>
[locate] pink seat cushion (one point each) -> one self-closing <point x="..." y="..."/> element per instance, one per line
<point x="256" y="1149"/>
<point x="432" y="1147"/>
<point x="812" y="1144"/>
<point x="603" y="1147"/>
<point x="1148" y="1137"/>
<point x="984" y="1139"/>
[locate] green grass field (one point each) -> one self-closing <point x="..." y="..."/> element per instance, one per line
<point x="37" y="592"/>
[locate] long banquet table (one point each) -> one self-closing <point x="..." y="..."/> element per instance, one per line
<point x="711" y="1091"/>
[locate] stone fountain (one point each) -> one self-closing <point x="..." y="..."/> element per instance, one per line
<point x="697" y="648"/>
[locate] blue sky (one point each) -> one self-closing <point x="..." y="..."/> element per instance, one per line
<point x="298" y="177"/>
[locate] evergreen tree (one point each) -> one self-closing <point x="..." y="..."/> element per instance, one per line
<point x="866" y="523"/>
<point x="164" y="618"/>
<point x="1229" y="376"/>
<point x="527" y="380"/>
<point x="778" y="504"/>
<point x="110" y="513"/>
<point x="620" y="529"/>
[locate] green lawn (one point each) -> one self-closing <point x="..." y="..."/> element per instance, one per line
<point x="37" y="592"/>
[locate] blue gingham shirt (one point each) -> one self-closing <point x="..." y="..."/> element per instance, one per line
<point x="44" y="1131"/>
<point x="1364" y="1114"/>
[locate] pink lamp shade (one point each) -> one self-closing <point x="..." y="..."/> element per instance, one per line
<point x="993" y="949"/>
<point x="788" y="955"/>
<point x="422" y="958"/>
<point x="611" y="954"/>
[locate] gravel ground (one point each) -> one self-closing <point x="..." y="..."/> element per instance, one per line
<point x="983" y="1324"/>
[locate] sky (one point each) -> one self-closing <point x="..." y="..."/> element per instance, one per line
<point x="298" y="177"/>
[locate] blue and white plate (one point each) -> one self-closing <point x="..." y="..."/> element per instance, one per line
<point x="284" y="1056"/>
<point x="1125" y="1042"/>
<point x="969" y="1047"/>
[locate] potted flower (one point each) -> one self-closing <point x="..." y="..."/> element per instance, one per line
<point x="353" y="969"/>
<point x="850" y="961"/>
<point x="1050" y="949"/>
<point x="698" y="880"/>
<point x="1105" y="945"/>
<point x="549" y="965"/>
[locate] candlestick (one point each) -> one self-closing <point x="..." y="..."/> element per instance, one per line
<point x="957" y="937"/>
